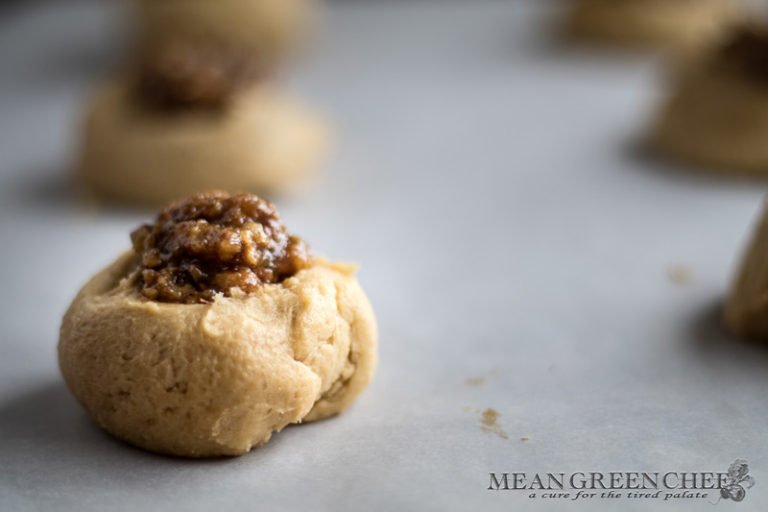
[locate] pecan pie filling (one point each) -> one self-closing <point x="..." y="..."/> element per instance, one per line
<point x="184" y="73"/>
<point x="214" y="243"/>
<point x="746" y="53"/>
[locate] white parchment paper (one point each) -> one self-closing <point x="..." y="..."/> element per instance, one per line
<point x="520" y="252"/>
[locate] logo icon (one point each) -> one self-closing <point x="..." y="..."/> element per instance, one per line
<point x="737" y="482"/>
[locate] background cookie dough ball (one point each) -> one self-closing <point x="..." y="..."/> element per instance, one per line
<point x="678" y="25"/>
<point x="746" y="310"/>
<point x="272" y="27"/>
<point x="217" y="330"/>
<point x="717" y="114"/>
<point x="259" y="142"/>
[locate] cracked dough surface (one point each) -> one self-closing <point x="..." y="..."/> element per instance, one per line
<point x="716" y="120"/>
<point x="217" y="379"/>
<point x="666" y="24"/>
<point x="262" y="142"/>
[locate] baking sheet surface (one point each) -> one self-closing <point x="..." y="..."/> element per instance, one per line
<point x="521" y="254"/>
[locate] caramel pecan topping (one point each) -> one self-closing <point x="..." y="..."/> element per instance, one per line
<point x="746" y="52"/>
<point x="187" y="73"/>
<point x="213" y="243"/>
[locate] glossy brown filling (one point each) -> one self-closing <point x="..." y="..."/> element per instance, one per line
<point x="746" y="53"/>
<point x="215" y="243"/>
<point x="184" y="73"/>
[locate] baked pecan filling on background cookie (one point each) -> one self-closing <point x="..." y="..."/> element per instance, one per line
<point x="181" y="73"/>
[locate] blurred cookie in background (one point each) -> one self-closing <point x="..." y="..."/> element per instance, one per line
<point x="669" y="25"/>
<point x="717" y="113"/>
<point x="192" y="115"/>
<point x="746" y="309"/>
<point x="272" y="27"/>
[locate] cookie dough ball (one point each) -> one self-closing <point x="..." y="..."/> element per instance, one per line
<point x="273" y="27"/>
<point x="746" y="309"/>
<point x="716" y="114"/>
<point x="678" y="25"/>
<point x="216" y="330"/>
<point x="192" y="116"/>
<point x="262" y="142"/>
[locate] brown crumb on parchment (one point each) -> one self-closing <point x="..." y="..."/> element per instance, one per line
<point x="479" y="381"/>
<point x="187" y="73"/>
<point x="680" y="274"/>
<point x="489" y="423"/>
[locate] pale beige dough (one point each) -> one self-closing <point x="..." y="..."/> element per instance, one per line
<point x="677" y="25"/>
<point x="746" y="309"/>
<point x="261" y="142"/>
<point x="270" y="27"/>
<point x="717" y="120"/>
<point x="217" y="379"/>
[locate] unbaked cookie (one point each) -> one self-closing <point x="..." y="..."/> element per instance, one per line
<point x="216" y="330"/>
<point x="717" y="114"/>
<point x="678" y="25"/>
<point x="746" y="309"/>
<point x="266" y="26"/>
<point x="195" y="117"/>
